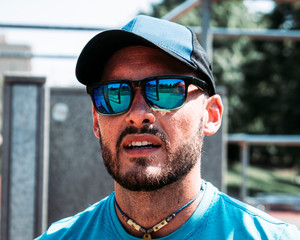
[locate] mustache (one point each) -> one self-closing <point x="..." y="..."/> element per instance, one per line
<point x="144" y="130"/>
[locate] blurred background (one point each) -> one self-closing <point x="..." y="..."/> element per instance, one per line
<point x="255" y="51"/>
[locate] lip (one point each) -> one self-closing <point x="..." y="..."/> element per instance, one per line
<point x="141" y="151"/>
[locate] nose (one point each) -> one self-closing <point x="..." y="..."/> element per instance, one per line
<point x="140" y="113"/>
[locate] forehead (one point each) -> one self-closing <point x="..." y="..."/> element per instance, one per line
<point x="138" y="62"/>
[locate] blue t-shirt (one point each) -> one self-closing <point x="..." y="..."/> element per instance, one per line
<point x="218" y="216"/>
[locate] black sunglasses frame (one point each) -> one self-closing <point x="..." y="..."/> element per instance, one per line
<point x="188" y="80"/>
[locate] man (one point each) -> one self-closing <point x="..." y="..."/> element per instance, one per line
<point x="154" y="99"/>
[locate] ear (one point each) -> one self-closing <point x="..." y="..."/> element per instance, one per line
<point x="96" y="127"/>
<point x="214" y="111"/>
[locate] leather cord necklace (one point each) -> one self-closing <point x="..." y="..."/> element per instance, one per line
<point x="147" y="231"/>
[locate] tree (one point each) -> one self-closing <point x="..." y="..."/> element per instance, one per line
<point x="272" y="86"/>
<point x="274" y="78"/>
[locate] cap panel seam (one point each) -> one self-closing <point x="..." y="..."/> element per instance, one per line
<point x="193" y="48"/>
<point x="133" y="25"/>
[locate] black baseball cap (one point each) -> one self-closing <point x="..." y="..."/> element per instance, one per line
<point x="174" y="39"/>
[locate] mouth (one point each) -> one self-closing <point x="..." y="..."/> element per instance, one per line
<point x="141" y="145"/>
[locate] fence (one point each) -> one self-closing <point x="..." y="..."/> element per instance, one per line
<point x="245" y="141"/>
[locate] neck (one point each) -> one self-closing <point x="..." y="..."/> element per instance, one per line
<point x="149" y="208"/>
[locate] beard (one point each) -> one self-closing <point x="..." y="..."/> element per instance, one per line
<point x="177" y="164"/>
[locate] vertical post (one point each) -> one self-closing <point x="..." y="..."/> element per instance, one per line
<point x="23" y="193"/>
<point x="245" y="163"/>
<point x="206" y="35"/>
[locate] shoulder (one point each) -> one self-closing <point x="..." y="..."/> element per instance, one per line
<point x="246" y="220"/>
<point x="77" y="224"/>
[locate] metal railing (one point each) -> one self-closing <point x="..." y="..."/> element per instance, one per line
<point x="246" y="140"/>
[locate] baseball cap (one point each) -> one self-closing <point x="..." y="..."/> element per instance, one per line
<point x="173" y="39"/>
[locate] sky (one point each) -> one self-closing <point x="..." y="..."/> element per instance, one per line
<point x="105" y="13"/>
<point x="93" y="13"/>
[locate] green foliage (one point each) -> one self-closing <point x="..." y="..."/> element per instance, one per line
<point x="284" y="16"/>
<point x="230" y="55"/>
<point x="231" y="14"/>
<point x="161" y="9"/>
<point x="190" y="18"/>
<point x="272" y="86"/>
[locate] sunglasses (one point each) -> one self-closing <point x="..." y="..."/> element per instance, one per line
<point x="161" y="93"/>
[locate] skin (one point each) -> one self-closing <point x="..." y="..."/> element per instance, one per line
<point x="201" y="115"/>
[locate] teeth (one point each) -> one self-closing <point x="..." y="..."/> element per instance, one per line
<point x="139" y="144"/>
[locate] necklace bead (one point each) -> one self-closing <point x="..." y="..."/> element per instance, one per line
<point x="147" y="236"/>
<point x="147" y="231"/>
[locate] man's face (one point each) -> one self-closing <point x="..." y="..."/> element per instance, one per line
<point x="144" y="149"/>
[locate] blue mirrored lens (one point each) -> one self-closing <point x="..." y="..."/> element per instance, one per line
<point x="112" y="98"/>
<point x="165" y="93"/>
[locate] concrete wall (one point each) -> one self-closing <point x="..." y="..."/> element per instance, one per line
<point x="77" y="176"/>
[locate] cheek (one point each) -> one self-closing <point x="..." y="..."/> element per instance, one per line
<point x="190" y="118"/>
<point x="183" y="122"/>
<point x="109" y="130"/>
<point x="181" y="126"/>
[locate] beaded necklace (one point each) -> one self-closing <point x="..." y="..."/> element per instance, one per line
<point x="147" y="231"/>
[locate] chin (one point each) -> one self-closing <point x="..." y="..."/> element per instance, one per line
<point x="150" y="178"/>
